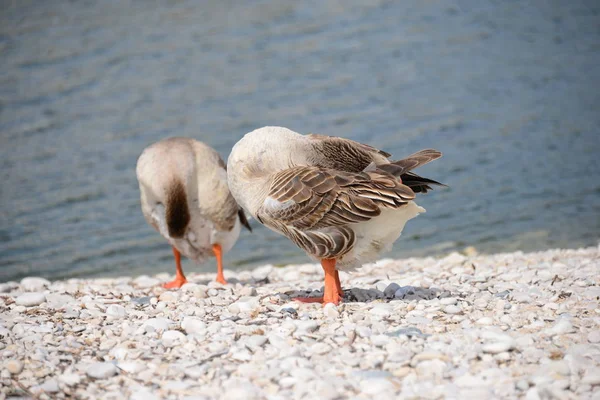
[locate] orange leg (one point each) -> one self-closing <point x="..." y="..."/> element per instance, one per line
<point x="179" y="277"/>
<point x="219" y="255"/>
<point x="333" y="289"/>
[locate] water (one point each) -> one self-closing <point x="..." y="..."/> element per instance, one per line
<point x="508" y="90"/>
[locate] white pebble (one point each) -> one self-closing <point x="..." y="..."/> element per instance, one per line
<point x="172" y="338"/>
<point x="158" y="324"/>
<point x="34" y="284"/>
<point x="14" y="367"/>
<point x="594" y="336"/>
<point x="447" y="301"/>
<point x="116" y="311"/>
<point x="101" y="370"/>
<point x="69" y="379"/>
<point x="452" y="309"/>
<point x="192" y="325"/>
<point x="30" y="299"/>
<point x="561" y="327"/>
<point x="330" y="311"/>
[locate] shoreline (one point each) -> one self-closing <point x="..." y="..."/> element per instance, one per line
<point x="493" y="326"/>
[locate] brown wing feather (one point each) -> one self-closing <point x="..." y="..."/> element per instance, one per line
<point x="397" y="168"/>
<point x="343" y="154"/>
<point x="311" y="198"/>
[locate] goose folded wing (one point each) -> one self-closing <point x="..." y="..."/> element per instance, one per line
<point x="313" y="198"/>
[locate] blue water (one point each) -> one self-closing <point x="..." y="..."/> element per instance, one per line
<point x="508" y="90"/>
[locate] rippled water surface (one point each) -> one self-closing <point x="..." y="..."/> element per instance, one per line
<point x="508" y="90"/>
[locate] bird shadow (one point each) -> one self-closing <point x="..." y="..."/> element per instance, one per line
<point x="360" y="295"/>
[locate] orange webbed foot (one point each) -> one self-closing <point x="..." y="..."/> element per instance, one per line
<point x="221" y="280"/>
<point x="175" y="283"/>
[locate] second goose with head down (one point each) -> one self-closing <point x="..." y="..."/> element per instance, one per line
<point x="341" y="201"/>
<point x="185" y="197"/>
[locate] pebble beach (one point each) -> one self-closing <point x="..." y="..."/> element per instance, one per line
<point x="463" y="326"/>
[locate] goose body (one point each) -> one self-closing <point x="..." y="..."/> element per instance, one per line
<point x="185" y="197"/>
<point x="341" y="201"/>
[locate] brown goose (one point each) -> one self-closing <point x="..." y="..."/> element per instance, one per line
<point x="185" y="197"/>
<point x="341" y="201"/>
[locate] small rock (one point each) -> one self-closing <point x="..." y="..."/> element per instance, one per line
<point x="144" y="282"/>
<point x="69" y="379"/>
<point x="561" y="327"/>
<point x="131" y="367"/>
<point x="330" y="311"/>
<point x="14" y="367"/>
<point x="192" y="325"/>
<point x="116" y="311"/>
<point x="591" y="377"/>
<point x="378" y="387"/>
<point x="390" y="290"/>
<point x="485" y="321"/>
<point x="50" y="386"/>
<point x="244" y="305"/>
<point x="101" y="370"/>
<point x="594" y="336"/>
<point x="34" y="284"/>
<point x="158" y="324"/>
<point x="448" y="301"/>
<point x="172" y="338"/>
<point x="404" y="291"/>
<point x="382" y="310"/>
<point x="261" y="273"/>
<point x="169" y="296"/>
<point x="30" y="299"/>
<point x="452" y="309"/>
<point x="410" y="332"/>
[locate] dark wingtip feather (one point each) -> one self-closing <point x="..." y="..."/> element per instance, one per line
<point x="244" y="220"/>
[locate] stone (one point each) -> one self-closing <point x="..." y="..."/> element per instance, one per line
<point x="69" y="379"/>
<point x="244" y="305"/>
<point x="391" y="289"/>
<point x="144" y="282"/>
<point x="452" y="309"/>
<point x="261" y="273"/>
<point x="193" y="325"/>
<point x="330" y="311"/>
<point x="101" y="370"/>
<point x="49" y="386"/>
<point x="30" y="299"/>
<point x="14" y="367"/>
<point x="34" y="284"/>
<point x="561" y="327"/>
<point x="116" y="311"/>
<point x="157" y="324"/>
<point x="594" y="336"/>
<point x="172" y="338"/>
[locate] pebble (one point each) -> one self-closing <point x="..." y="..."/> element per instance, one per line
<point x="115" y="310"/>
<point x="158" y="324"/>
<point x="50" y="386"/>
<point x="330" y="311"/>
<point x="193" y="325"/>
<point x="30" y="299"/>
<point x="69" y="379"/>
<point x="14" y="367"/>
<point x="101" y="370"/>
<point x="452" y="309"/>
<point x="34" y="284"/>
<point x="172" y="338"/>
<point x="594" y="336"/>
<point x="419" y="328"/>
<point x="561" y="327"/>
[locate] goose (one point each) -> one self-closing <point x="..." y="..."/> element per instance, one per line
<point x="185" y="197"/>
<point x="342" y="202"/>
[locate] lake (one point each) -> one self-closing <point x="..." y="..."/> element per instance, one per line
<point x="509" y="91"/>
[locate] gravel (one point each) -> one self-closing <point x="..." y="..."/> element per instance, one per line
<point x="518" y="325"/>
